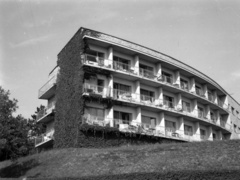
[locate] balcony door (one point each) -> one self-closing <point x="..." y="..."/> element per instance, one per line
<point x="188" y="130"/>
<point x="186" y="106"/>
<point x="94" y="113"/>
<point x="167" y="77"/>
<point x="122" y="117"/>
<point x="184" y="84"/>
<point x="200" y="112"/>
<point x="170" y="126"/>
<point x="94" y="56"/>
<point x="121" y="64"/>
<point x="148" y="122"/>
<point x="146" y="71"/>
<point x="121" y="89"/>
<point x="147" y="95"/>
<point x="168" y="101"/>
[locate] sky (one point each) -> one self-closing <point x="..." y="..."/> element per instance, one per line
<point x="205" y="34"/>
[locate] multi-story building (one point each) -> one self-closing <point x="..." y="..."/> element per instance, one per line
<point x="152" y="93"/>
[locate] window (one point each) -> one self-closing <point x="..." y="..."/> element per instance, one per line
<point x="214" y="136"/>
<point x="198" y="90"/>
<point x="188" y="130"/>
<point x="100" y="85"/>
<point x="200" y="112"/>
<point x="233" y="111"/>
<point x="123" y="116"/>
<point x="170" y="126"/>
<point x="210" y="96"/>
<point x="167" y="77"/>
<point x="146" y="71"/>
<point x="95" y="113"/>
<point x="120" y="64"/>
<point x="202" y="134"/>
<point x="147" y="95"/>
<point x="186" y="106"/>
<point x="149" y="121"/>
<point x="212" y="116"/>
<point x="94" y="55"/>
<point x="184" y="84"/>
<point x="121" y="89"/>
<point x="168" y="101"/>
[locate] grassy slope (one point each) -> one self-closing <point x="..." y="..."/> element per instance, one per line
<point x="221" y="156"/>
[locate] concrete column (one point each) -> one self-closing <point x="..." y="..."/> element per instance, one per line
<point x="137" y="91"/>
<point x="207" y="111"/>
<point x="180" y="130"/>
<point x="179" y="101"/>
<point x="160" y="96"/>
<point x="205" y="90"/>
<point x="161" y="123"/>
<point x="192" y="85"/>
<point x="194" y="106"/>
<point x="136" y="64"/>
<point x="217" y="117"/>
<point x="110" y="85"/>
<point x="210" y="133"/>
<point x="139" y="116"/>
<point x="159" y="70"/>
<point x="215" y="97"/>
<point x="197" y="131"/>
<point x="110" y="117"/>
<point x="110" y="57"/>
<point x="220" y="135"/>
<point x="177" y="78"/>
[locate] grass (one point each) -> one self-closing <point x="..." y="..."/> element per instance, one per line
<point x="219" y="158"/>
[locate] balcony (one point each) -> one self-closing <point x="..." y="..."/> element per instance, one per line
<point x="131" y="126"/>
<point x="44" y="140"/>
<point x="48" y="89"/>
<point x="45" y="115"/>
<point x="95" y="90"/>
<point x="141" y="73"/>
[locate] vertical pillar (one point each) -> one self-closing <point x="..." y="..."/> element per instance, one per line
<point x="205" y="90"/>
<point x="220" y="135"/>
<point x="137" y="91"/>
<point x="139" y="116"/>
<point x="215" y="97"/>
<point x="179" y="101"/>
<point x="207" y="110"/>
<point x="210" y="134"/>
<point x="181" y="125"/>
<point x="110" y="86"/>
<point x="136" y="64"/>
<point x="197" y="132"/>
<point x="110" y="57"/>
<point x="194" y="107"/>
<point x="177" y="78"/>
<point x="159" y="70"/>
<point x="192" y="85"/>
<point x="160" y="96"/>
<point x="161" y="123"/>
<point x="110" y="117"/>
<point x="217" y="117"/>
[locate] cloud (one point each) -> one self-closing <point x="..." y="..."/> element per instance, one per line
<point x="32" y="41"/>
<point x="235" y="74"/>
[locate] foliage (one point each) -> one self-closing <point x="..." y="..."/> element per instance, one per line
<point x="15" y="140"/>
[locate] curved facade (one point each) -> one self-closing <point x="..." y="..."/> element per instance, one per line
<point x="152" y="93"/>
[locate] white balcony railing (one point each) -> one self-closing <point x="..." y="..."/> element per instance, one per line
<point x="144" y="128"/>
<point x="44" y="138"/>
<point x="48" y="85"/>
<point x="143" y="73"/>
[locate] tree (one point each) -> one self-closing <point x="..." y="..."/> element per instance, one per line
<point x="14" y="138"/>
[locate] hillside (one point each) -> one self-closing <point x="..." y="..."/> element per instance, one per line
<point x="205" y="160"/>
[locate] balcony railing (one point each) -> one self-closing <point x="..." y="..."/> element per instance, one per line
<point x="147" y="99"/>
<point x="127" y="68"/>
<point x="44" y="138"/>
<point x="184" y="86"/>
<point x="93" y="89"/>
<point x="143" y="128"/>
<point x="146" y="73"/>
<point x="210" y="98"/>
<point x="47" y="86"/>
<point x="45" y="111"/>
<point x="168" y="104"/>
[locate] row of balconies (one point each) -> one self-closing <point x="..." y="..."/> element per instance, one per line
<point x="147" y="129"/>
<point x="147" y="74"/>
<point x="161" y="104"/>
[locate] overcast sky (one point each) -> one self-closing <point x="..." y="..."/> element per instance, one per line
<point x="204" y="34"/>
